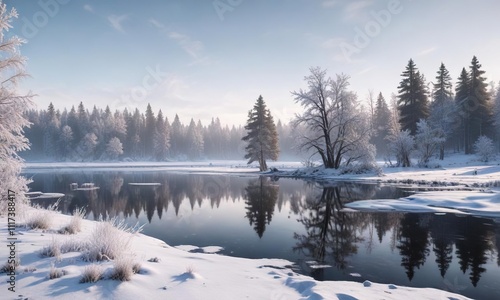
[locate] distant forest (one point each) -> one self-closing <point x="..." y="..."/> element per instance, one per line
<point x="422" y="121"/>
<point x="100" y="134"/>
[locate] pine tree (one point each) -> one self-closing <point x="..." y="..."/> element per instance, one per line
<point x="442" y="108"/>
<point x="480" y="106"/>
<point x="261" y="137"/>
<point x="149" y="131"/>
<point x="381" y="116"/>
<point x="161" y="138"/>
<point x="462" y="132"/>
<point x="194" y="140"/>
<point x="412" y="96"/>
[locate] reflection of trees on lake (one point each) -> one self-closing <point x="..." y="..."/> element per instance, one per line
<point x="260" y="198"/>
<point x="330" y="233"/>
<point x="413" y="242"/>
<point x="442" y="233"/>
<point x="473" y="243"/>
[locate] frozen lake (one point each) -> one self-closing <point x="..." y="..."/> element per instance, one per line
<point x="291" y="219"/>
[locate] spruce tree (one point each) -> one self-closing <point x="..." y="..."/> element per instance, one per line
<point x="149" y="131"/>
<point x="412" y="98"/>
<point x="442" y="108"/>
<point x="380" y="124"/>
<point x="462" y="133"/>
<point x="262" y="137"/>
<point x="480" y="107"/>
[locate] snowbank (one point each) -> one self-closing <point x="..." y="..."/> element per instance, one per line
<point x="477" y="203"/>
<point x="170" y="273"/>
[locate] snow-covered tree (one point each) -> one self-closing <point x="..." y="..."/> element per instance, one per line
<point x="332" y="121"/>
<point x="427" y="140"/>
<point x="87" y="146"/>
<point x="65" y="141"/>
<point x="114" y="148"/>
<point x="484" y="148"/>
<point x="194" y="141"/>
<point x="13" y="105"/>
<point x="401" y="145"/>
<point x="442" y="108"/>
<point x="380" y="125"/>
<point x="262" y="137"/>
<point x="161" y="139"/>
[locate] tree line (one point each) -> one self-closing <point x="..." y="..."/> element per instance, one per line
<point x="83" y="135"/>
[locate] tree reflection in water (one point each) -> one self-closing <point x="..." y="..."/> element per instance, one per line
<point x="260" y="198"/>
<point x="331" y="235"/>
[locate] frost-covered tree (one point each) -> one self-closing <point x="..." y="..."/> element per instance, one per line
<point x="161" y="139"/>
<point x="13" y="105"/>
<point x="65" y="141"/>
<point x="380" y="126"/>
<point x="194" y="141"/>
<point x="262" y="137"/>
<point x="149" y="131"/>
<point x="412" y="98"/>
<point x="484" y="148"/>
<point x="442" y="108"/>
<point x="427" y="140"/>
<point x="401" y="145"/>
<point x="114" y="148"/>
<point x="87" y="146"/>
<point x="333" y="124"/>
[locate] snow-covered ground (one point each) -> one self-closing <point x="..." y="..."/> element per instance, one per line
<point x="174" y="273"/>
<point x="477" y="203"/>
<point x="454" y="170"/>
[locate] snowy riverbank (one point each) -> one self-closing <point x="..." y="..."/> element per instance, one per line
<point x="169" y="273"/>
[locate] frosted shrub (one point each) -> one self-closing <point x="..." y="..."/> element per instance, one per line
<point x="484" y="148"/>
<point x="40" y="219"/>
<point x="75" y="225"/>
<point x="124" y="268"/>
<point x="55" y="272"/>
<point x="92" y="273"/>
<point x="109" y="240"/>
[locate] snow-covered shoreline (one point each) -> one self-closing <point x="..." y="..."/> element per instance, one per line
<point x="177" y="274"/>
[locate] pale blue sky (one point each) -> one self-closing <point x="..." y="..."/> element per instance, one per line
<point x="214" y="58"/>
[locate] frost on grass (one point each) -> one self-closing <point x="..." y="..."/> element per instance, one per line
<point x="55" y="272"/>
<point x="41" y="218"/>
<point x="75" y="225"/>
<point x="109" y="240"/>
<point x="56" y="248"/>
<point x="124" y="268"/>
<point x="8" y="266"/>
<point x="92" y="273"/>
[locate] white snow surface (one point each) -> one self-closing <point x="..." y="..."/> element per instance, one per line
<point x="177" y="274"/>
<point x="477" y="203"/>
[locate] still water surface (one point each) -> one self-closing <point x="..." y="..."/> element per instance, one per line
<point x="302" y="222"/>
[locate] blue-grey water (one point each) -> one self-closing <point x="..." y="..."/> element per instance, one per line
<point x="302" y="222"/>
